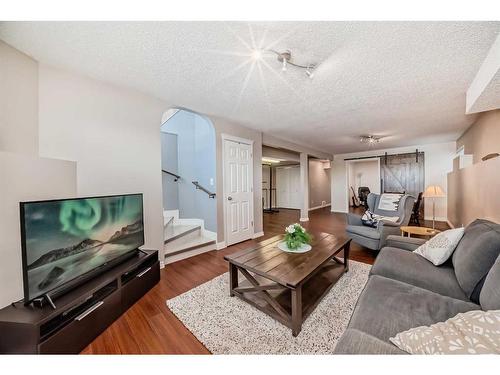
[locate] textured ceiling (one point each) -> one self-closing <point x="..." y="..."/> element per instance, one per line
<point x="402" y="80"/>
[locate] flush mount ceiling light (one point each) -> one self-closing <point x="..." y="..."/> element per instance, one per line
<point x="285" y="58"/>
<point x="369" y="139"/>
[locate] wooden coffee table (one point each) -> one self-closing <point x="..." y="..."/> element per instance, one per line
<point x="288" y="286"/>
<point x="419" y="231"/>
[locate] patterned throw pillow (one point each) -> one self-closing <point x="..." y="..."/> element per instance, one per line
<point x="473" y="332"/>
<point x="439" y="248"/>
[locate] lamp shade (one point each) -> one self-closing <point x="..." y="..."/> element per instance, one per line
<point x="434" y="191"/>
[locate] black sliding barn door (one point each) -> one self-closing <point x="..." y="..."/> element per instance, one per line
<point x="402" y="173"/>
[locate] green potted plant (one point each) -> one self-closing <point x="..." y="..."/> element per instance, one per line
<point x="296" y="239"/>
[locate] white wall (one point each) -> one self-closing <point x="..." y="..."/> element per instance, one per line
<point x="25" y="178"/>
<point x="113" y="134"/>
<point x="363" y="173"/>
<point x="438" y="162"/>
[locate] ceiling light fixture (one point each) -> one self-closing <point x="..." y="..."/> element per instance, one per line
<point x="369" y="139"/>
<point x="256" y="54"/>
<point x="268" y="160"/>
<point x="285" y="58"/>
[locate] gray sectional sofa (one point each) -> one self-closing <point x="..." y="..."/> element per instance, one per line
<point x="405" y="290"/>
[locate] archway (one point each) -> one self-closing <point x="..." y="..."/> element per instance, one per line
<point x="188" y="183"/>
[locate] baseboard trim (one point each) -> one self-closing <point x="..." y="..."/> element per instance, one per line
<point x="338" y="211"/>
<point x="257" y="235"/>
<point x="318" y="207"/>
<point x="220" y="245"/>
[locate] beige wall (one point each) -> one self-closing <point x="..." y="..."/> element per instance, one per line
<point x="277" y="153"/>
<point x="472" y="190"/>
<point x="114" y="135"/>
<point x="472" y="193"/>
<point x="482" y="137"/>
<point x="319" y="184"/>
<point x="275" y="142"/>
<point x="18" y="101"/>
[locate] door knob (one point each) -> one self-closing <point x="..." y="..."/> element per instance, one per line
<point x="229" y="198"/>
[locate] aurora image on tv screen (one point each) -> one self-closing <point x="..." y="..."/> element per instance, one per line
<point x="65" y="239"/>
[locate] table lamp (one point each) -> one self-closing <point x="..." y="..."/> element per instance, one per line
<point x="434" y="191"/>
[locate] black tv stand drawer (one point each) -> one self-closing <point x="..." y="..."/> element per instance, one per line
<point x="144" y="279"/>
<point x="81" y="314"/>
<point x="83" y="328"/>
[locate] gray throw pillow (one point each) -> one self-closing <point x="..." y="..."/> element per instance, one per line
<point x="475" y="254"/>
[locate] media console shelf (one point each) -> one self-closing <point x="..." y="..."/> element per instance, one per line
<point x="80" y="315"/>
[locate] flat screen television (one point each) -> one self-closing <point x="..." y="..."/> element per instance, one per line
<point x="67" y="241"/>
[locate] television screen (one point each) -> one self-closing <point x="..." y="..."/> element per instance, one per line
<point x="65" y="239"/>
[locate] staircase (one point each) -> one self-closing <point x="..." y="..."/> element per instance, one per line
<point x="184" y="238"/>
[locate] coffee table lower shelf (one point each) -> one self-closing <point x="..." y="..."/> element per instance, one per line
<point x="278" y="301"/>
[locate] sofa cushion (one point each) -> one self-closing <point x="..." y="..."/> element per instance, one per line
<point x="490" y="293"/>
<point x="411" y="268"/>
<point x="363" y="231"/>
<point x="387" y="307"/>
<point x="475" y="254"/>
<point x="357" y="342"/>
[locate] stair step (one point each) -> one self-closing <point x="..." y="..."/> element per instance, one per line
<point x="174" y="232"/>
<point x="192" y="245"/>
<point x="167" y="220"/>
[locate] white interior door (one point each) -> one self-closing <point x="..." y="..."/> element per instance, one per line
<point x="288" y="187"/>
<point x="282" y="187"/>
<point x="295" y="187"/>
<point x="238" y="191"/>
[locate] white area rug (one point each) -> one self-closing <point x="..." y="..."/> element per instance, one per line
<point x="228" y="325"/>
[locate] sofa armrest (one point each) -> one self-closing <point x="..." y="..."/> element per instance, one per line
<point x="354" y="341"/>
<point x="353" y="219"/>
<point x="405" y="243"/>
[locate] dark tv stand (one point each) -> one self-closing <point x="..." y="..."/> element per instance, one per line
<point x="81" y="314"/>
<point x="46" y="297"/>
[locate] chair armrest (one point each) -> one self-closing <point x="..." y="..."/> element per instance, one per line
<point x="405" y="243"/>
<point x="353" y="219"/>
<point x="387" y="228"/>
<point x="388" y="223"/>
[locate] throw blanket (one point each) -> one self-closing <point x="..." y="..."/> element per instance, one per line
<point x="389" y="201"/>
<point x="371" y="220"/>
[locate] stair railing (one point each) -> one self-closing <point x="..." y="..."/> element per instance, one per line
<point x="176" y="176"/>
<point x="199" y="187"/>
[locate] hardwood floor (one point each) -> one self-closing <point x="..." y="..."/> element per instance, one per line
<point x="149" y="327"/>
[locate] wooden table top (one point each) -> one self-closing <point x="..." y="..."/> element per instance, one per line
<point x="287" y="268"/>
<point x="421" y="231"/>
